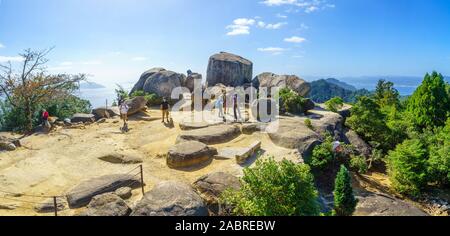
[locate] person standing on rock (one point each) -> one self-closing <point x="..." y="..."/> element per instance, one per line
<point x="237" y="112"/>
<point x="225" y="101"/>
<point x="219" y="105"/>
<point x="165" y="106"/>
<point x="124" y="112"/>
<point x="45" y="116"/>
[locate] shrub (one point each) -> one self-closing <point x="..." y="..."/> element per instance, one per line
<point x="308" y="124"/>
<point x="344" y="199"/>
<point x="359" y="164"/>
<point x="291" y="102"/>
<point x="439" y="159"/>
<point x="322" y="155"/>
<point x="152" y="99"/>
<point x="407" y="167"/>
<point x="274" y="189"/>
<point x="334" y="104"/>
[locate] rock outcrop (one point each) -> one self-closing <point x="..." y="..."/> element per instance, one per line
<point x="117" y="158"/>
<point x="107" y="204"/>
<point x="82" y="194"/>
<point x="269" y="80"/>
<point x="49" y="206"/>
<point x="171" y="199"/>
<point x="124" y="192"/>
<point x="211" y="135"/>
<point x="190" y="81"/>
<point x="84" y="118"/>
<point x="212" y="185"/>
<point x="373" y="204"/>
<point x="229" y="69"/>
<point x="136" y="105"/>
<point x="105" y="112"/>
<point x="160" y="82"/>
<point x="351" y="137"/>
<point x="189" y="153"/>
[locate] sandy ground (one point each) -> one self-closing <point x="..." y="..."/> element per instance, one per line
<point x="53" y="164"/>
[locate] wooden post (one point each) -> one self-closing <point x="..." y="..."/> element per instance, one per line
<point x="142" y="180"/>
<point x="106" y="109"/>
<point x="55" y="205"/>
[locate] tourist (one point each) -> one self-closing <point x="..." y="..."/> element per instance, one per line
<point x="219" y="105"/>
<point x="237" y="112"/>
<point x="45" y="116"/>
<point x="124" y="112"/>
<point x="225" y="101"/>
<point x="165" y="110"/>
<point x="189" y="72"/>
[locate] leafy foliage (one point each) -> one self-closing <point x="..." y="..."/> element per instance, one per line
<point x="152" y="99"/>
<point x="439" y="156"/>
<point x="407" y="167"/>
<point x="322" y="155"/>
<point x="291" y="102"/>
<point x="386" y="95"/>
<point x="275" y="189"/>
<point x="334" y="104"/>
<point x="430" y="103"/>
<point x="309" y="124"/>
<point x="344" y="199"/>
<point x="359" y="163"/>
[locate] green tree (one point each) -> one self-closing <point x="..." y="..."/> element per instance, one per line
<point x="344" y="199"/>
<point x="291" y="102"/>
<point x="369" y="122"/>
<point x="430" y="104"/>
<point x="275" y="189"/>
<point x="386" y="95"/>
<point x="407" y="167"/>
<point x="439" y="160"/>
<point x="322" y="155"/>
<point x="334" y="104"/>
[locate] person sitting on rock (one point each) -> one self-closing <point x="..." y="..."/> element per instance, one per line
<point x="45" y="116"/>
<point x="165" y="106"/>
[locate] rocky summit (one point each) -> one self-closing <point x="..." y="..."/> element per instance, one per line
<point x="229" y="69"/>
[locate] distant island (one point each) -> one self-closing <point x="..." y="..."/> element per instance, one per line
<point x="91" y="85"/>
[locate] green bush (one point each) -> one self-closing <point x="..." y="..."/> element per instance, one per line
<point x="291" y="102"/>
<point x="407" y="167"/>
<point x="322" y="155"/>
<point x="274" y="189"/>
<point x="344" y="199"/>
<point x="152" y="99"/>
<point x="359" y="164"/>
<point x="439" y="156"/>
<point x="308" y="124"/>
<point x="334" y="104"/>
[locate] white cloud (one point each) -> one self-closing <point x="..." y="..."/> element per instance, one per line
<point x="261" y="24"/>
<point x="295" y="39"/>
<point x="275" y="26"/>
<point x="308" y="6"/>
<point x="240" y="26"/>
<point x="281" y="16"/>
<point x="272" y="50"/>
<point x="11" y="59"/>
<point x="139" y="58"/>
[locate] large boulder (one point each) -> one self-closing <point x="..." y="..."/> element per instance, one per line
<point x="189" y="82"/>
<point x="189" y="153"/>
<point x="136" y="105"/>
<point x="292" y="133"/>
<point x="374" y="204"/>
<point x="351" y="137"/>
<point x="84" y="118"/>
<point x="82" y="194"/>
<point x="171" y="199"/>
<point x="269" y="80"/>
<point x="139" y="86"/>
<point x="212" y="185"/>
<point x="229" y="69"/>
<point x="105" y="112"/>
<point x="211" y="135"/>
<point x="107" y="204"/>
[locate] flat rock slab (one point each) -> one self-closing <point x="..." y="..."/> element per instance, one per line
<point x="49" y="205"/>
<point x="117" y="158"/>
<point x="211" y="135"/>
<point x="251" y="128"/>
<point x="171" y="198"/>
<point x="372" y="204"/>
<point x="84" y="118"/>
<point x="212" y="185"/>
<point x="82" y="194"/>
<point x="293" y="134"/>
<point x="107" y="204"/>
<point x="193" y="125"/>
<point x="189" y="153"/>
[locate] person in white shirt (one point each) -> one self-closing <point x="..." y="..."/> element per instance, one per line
<point x="219" y="105"/>
<point x="124" y="112"/>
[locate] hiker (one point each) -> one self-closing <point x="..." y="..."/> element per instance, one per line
<point x="219" y="105"/>
<point x="165" y="110"/>
<point x="189" y="72"/>
<point x="45" y="117"/>
<point x="124" y="112"/>
<point x="237" y="112"/>
<point x="225" y="101"/>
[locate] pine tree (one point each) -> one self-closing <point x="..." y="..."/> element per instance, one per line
<point x="344" y="200"/>
<point x="430" y="104"/>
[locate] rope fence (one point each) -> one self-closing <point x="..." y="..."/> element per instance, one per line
<point x="14" y="197"/>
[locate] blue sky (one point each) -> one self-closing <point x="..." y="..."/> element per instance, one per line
<point x="116" y="40"/>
